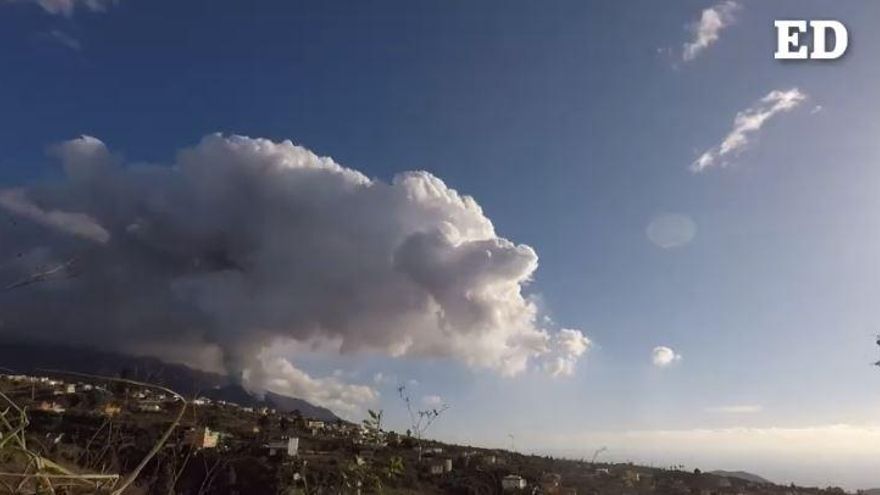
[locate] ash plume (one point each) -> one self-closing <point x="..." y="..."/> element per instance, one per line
<point x="244" y="243"/>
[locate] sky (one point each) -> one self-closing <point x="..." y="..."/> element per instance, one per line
<point x="680" y="232"/>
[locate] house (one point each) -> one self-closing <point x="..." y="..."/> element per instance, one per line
<point x="284" y="447"/>
<point x="202" y="438"/>
<point x="429" y="451"/>
<point x="436" y="468"/>
<point x="513" y="482"/>
<point x="150" y="406"/>
<point x="70" y="388"/>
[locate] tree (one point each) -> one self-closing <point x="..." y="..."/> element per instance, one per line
<point x="420" y="420"/>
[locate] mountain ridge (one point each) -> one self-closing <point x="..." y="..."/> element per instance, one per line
<point x="31" y="357"/>
<point x="742" y="475"/>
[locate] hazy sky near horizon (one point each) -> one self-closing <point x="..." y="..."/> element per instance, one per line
<point x="708" y="216"/>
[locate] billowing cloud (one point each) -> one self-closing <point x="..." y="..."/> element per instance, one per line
<point x="569" y="346"/>
<point x="707" y="30"/>
<point x="77" y="224"/>
<point x="67" y="7"/>
<point x="279" y="375"/>
<point x="244" y="244"/>
<point x="671" y="230"/>
<point x="736" y="409"/>
<point x="663" y="356"/>
<point x="745" y="124"/>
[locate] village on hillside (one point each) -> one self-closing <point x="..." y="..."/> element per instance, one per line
<point x="67" y="433"/>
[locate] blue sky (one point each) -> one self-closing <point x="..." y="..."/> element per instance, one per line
<point x="574" y="125"/>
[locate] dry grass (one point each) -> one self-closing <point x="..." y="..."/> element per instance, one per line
<point x="25" y="470"/>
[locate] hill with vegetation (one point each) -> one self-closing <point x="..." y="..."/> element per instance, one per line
<point x="74" y="434"/>
<point x="31" y="358"/>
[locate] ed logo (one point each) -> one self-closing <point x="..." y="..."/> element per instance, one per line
<point x="788" y="40"/>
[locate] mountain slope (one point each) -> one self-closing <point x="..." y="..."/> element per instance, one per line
<point x="742" y="475"/>
<point x="30" y="358"/>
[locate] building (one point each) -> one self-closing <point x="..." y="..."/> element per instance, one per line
<point x="285" y="447"/>
<point x="202" y="438"/>
<point x="149" y="406"/>
<point x="513" y="482"/>
<point x="436" y="468"/>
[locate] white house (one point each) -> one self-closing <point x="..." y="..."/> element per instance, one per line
<point x="513" y="482"/>
<point x="289" y="447"/>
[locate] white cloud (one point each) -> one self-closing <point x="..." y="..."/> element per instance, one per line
<point x="432" y="400"/>
<point x="663" y="356"/>
<point x="383" y="378"/>
<point x="736" y="409"/>
<point x="279" y="375"/>
<point x="67" y="7"/>
<point x="745" y="124"/>
<point x="671" y="230"/>
<point x="243" y="242"/>
<point x="78" y="224"/>
<point x="568" y="346"/>
<point x="707" y="30"/>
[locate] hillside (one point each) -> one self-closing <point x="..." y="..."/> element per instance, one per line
<point x="29" y="358"/>
<point x="741" y="475"/>
<point x="220" y="448"/>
